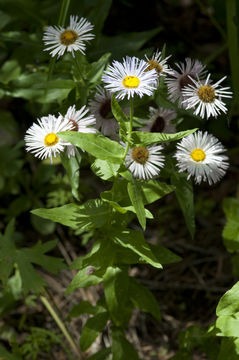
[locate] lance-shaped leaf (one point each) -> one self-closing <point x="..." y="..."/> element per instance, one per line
<point x="72" y="167"/>
<point x="121" y="348"/>
<point x="95" y="144"/>
<point x="184" y="194"/>
<point x="92" y="328"/>
<point x="92" y="214"/>
<point x="135" y="194"/>
<point x="143" y="299"/>
<point x="146" y="138"/>
<point x="120" y="116"/>
<point x="134" y="240"/>
<point x="116" y="287"/>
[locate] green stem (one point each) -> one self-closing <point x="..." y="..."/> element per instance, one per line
<point x="63" y="12"/>
<point x="130" y="127"/>
<point x="233" y="44"/>
<point x="212" y="19"/>
<point x="61" y="326"/>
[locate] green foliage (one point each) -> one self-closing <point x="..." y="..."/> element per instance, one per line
<point x="121" y="348"/>
<point x="24" y="258"/>
<point x="92" y="328"/>
<point x="135" y="195"/>
<point x="231" y="230"/>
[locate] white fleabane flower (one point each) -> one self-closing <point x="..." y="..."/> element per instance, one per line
<point x="160" y="120"/>
<point x="79" y="123"/>
<point x="59" y="39"/>
<point x="130" y="78"/>
<point x="159" y="64"/>
<point x="41" y="138"/>
<point x="145" y="162"/>
<point x="205" y="97"/>
<point x="179" y="79"/>
<point x="200" y="154"/>
<point x="100" y="106"/>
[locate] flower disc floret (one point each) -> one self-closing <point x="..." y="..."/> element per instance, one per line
<point x="130" y="78"/>
<point x="51" y="139"/>
<point x="68" y="37"/>
<point x="140" y="154"/>
<point x="159" y="64"/>
<point x="201" y="156"/>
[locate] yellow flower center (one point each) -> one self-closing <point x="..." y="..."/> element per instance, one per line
<point x="140" y="154"/>
<point x="68" y="37"/>
<point x="198" y="155"/>
<point x="51" y="139"/>
<point x="131" y="82"/>
<point x="206" y="93"/>
<point x="153" y="64"/>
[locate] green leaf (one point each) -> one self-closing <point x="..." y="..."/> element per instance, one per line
<point x="231" y="230"/>
<point x="135" y="194"/>
<point x="164" y="256"/>
<point x="146" y="138"/>
<point x="105" y="169"/>
<point x="92" y="329"/>
<point x="229" y="303"/>
<point x="228" y="325"/>
<point x="84" y="279"/>
<point x="84" y="307"/>
<point x="96" y="68"/>
<point x="154" y="190"/>
<point x="134" y="240"/>
<point x="184" y="194"/>
<point x="9" y="71"/>
<point x="120" y="116"/>
<point x="24" y="257"/>
<point x="121" y="348"/>
<point x="229" y="346"/>
<point x="101" y="355"/>
<point x="72" y="167"/>
<point x="143" y="299"/>
<point x="116" y="286"/>
<point x="5" y="355"/>
<point x="92" y="214"/>
<point x="99" y="13"/>
<point x="95" y="144"/>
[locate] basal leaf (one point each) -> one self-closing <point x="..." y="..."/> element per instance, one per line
<point x="146" y="138"/>
<point x="97" y="145"/>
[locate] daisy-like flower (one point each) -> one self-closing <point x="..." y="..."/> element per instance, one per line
<point x="41" y="138"/>
<point x="145" y="162"/>
<point x="206" y="97"/>
<point x="159" y="64"/>
<point x="191" y="69"/>
<point x="160" y="120"/>
<point x="100" y="106"/>
<point x="79" y="123"/>
<point x="200" y="154"/>
<point x="130" y="78"/>
<point x="70" y="39"/>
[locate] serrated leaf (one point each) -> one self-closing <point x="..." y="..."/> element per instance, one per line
<point x="105" y="169"/>
<point x="146" y="138"/>
<point x="184" y="194"/>
<point x="143" y="299"/>
<point x="121" y="348"/>
<point x="92" y="328"/>
<point x="116" y="285"/>
<point x="135" y="194"/>
<point x="92" y="214"/>
<point x="96" y="144"/>
<point x="134" y="240"/>
<point x="24" y="258"/>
